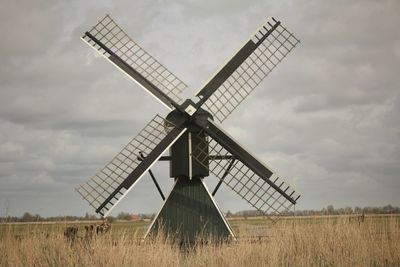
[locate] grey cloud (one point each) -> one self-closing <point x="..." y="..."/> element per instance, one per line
<point x="326" y="118"/>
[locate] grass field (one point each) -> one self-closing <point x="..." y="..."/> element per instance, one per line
<point x="300" y="241"/>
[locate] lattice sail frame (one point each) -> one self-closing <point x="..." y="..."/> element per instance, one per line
<point x="115" y="39"/>
<point x="243" y="180"/>
<point x="98" y="188"/>
<point x="252" y="71"/>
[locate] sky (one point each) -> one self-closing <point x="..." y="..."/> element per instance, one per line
<point x="326" y="119"/>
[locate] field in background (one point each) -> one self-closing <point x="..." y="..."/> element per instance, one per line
<point x="291" y="241"/>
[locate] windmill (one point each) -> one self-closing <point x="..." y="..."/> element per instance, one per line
<point x="197" y="145"/>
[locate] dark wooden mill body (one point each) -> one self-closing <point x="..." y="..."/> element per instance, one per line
<point x="190" y="212"/>
<point x="197" y="146"/>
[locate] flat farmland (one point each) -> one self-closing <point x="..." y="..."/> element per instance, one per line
<point x="289" y="241"/>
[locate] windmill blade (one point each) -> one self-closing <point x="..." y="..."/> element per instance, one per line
<point x="104" y="190"/>
<point x="246" y="175"/>
<point x="114" y="44"/>
<point x="247" y="68"/>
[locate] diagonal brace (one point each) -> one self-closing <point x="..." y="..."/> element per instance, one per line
<point x="223" y="176"/>
<point x="141" y="157"/>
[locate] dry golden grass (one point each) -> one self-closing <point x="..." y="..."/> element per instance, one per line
<point x="332" y="241"/>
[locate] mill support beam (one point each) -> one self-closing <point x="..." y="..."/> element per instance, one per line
<point x="156" y="184"/>
<point x="223" y="176"/>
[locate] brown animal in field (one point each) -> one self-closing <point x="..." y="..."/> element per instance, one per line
<point x="95" y="230"/>
<point x="103" y="228"/>
<point x="359" y="218"/>
<point x="89" y="231"/>
<point x="70" y="233"/>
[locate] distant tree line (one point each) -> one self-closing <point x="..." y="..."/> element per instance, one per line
<point x="28" y="217"/>
<point x="329" y="210"/>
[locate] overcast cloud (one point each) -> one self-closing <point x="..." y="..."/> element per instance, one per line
<point x="327" y="118"/>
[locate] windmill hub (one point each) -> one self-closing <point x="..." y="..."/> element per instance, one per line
<point x="197" y="116"/>
<point x="197" y="146"/>
<point x="188" y="107"/>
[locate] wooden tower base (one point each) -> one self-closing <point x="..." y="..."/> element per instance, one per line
<point x="190" y="213"/>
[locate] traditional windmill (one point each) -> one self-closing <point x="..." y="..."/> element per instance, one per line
<point x="197" y="145"/>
